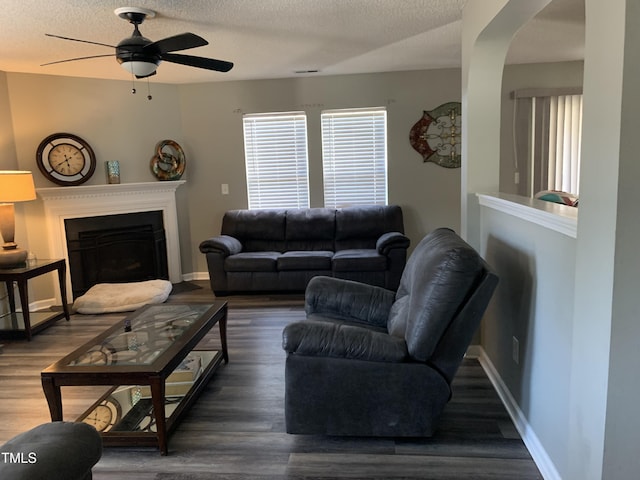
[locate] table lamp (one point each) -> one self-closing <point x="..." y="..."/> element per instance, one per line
<point x="15" y="186"/>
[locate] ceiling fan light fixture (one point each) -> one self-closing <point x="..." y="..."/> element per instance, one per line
<point x="140" y="56"/>
<point x="140" y="69"/>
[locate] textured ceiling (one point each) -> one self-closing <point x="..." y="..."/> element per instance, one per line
<point x="271" y="38"/>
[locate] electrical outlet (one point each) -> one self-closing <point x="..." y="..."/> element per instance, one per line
<point x="516" y="178"/>
<point x="224" y="188"/>
<point x="515" y="350"/>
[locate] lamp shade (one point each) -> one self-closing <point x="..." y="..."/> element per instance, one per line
<point x="16" y="186"/>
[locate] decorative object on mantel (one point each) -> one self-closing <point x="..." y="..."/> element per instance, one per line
<point x="169" y="162"/>
<point x="15" y="186"/>
<point x="437" y="135"/>
<point x="113" y="171"/>
<point x="66" y="159"/>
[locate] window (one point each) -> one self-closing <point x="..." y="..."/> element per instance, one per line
<point x="565" y="132"/>
<point x="354" y="157"/>
<point x="275" y="149"/>
<point x="552" y="122"/>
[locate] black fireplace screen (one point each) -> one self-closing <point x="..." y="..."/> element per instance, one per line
<point x="121" y="248"/>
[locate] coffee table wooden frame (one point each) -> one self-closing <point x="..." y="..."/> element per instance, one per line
<point x="153" y="374"/>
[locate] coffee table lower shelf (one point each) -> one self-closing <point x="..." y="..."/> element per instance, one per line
<point x="124" y="414"/>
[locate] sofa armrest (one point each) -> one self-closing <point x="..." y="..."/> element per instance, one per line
<point x="348" y="300"/>
<point x="390" y="240"/>
<point x="223" y="244"/>
<point x="330" y="339"/>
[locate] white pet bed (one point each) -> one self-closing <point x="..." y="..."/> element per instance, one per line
<point x="121" y="297"/>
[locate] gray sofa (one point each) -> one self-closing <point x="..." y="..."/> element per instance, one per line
<point x="371" y="362"/>
<point x="281" y="250"/>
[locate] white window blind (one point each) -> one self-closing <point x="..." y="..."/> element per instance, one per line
<point x="565" y="132"/>
<point x="547" y="125"/>
<point x="354" y="157"/>
<point x="275" y="149"/>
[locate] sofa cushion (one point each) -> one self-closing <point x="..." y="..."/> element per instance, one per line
<point x="441" y="271"/>
<point x="257" y="230"/>
<point x="360" y="227"/>
<point x="310" y="229"/>
<point x="252" y="262"/>
<point x="305" y="260"/>
<point x="342" y="340"/>
<point x="363" y="260"/>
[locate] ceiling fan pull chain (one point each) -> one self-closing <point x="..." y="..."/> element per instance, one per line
<point x="149" y="97"/>
<point x="133" y="84"/>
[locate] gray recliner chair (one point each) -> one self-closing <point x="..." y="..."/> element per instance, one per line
<point x="52" y="451"/>
<point x="372" y="362"/>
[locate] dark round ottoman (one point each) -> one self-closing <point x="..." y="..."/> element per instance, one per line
<point x="52" y="451"/>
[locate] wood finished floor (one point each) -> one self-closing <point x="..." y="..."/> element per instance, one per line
<point x="236" y="428"/>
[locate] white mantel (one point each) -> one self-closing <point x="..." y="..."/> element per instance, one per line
<point x="61" y="203"/>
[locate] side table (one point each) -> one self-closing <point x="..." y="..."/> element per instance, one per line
<point x="26" y="324"/>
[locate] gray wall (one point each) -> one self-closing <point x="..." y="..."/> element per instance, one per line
<point x="118" y="126"/>
<point x="206" y="119"/>
<point x="7" y="143"/>
<point x="595" y="435"/>
<point x="534" y="304"/>
<point x="212" y="125"/>
<point x="7" y="157"/>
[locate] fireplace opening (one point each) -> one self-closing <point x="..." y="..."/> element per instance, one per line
<point x="128" y="247"/>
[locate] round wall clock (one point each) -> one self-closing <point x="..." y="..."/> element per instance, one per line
<point x="437" y="135"/>
<point x="66" y="159"/>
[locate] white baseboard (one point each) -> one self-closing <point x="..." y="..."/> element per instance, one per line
<point x="42" y="304"/>
<point x="187" y="277"/>
<point x="530" y="439"/>
<point x="474" y="351"/>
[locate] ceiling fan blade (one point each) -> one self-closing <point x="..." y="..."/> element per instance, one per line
<point x="77" y="58"/>
<point x="199" y="62"/>
<point x="78" y="40"/>
<point x="175" y="43"/>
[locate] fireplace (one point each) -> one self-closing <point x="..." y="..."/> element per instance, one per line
<point x="129" y="247"/>
<point x="103" y="201"/>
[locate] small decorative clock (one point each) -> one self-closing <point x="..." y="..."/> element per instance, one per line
<point x="66" y="159"/>
<point x="105" y="415"/>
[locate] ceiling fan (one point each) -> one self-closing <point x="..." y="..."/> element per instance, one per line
<point x="141" y="56"/>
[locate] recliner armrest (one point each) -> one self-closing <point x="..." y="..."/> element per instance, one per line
<point x="223" y="244"/>
<point x="348" y="300"/>
<point x="390" y="240"/>
<point x="330" y="339"/>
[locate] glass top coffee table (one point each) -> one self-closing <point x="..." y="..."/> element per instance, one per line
<point x="150" y="359"/>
